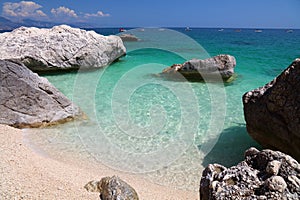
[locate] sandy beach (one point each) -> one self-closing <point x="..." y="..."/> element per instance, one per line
<point x="26" y="174"/>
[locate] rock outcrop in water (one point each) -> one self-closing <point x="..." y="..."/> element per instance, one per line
<point x="129" y="38"/>
<point x="272" y="112"/>
<point x="27" y="100"/>
<point x="60" y="47"/>
<point x="262" y="175"/>
<point x="112" y="188"/>
<point x="221" y="66"/>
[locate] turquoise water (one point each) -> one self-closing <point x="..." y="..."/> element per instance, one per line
<point x="167" y="130"/>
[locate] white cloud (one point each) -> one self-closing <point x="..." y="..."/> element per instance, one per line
<point x="98" y="14"/>
<point x="41" y="13"/>
<point x="30" y="9"/>
<point x="22" y="9"/>
<point x="64" y="11"/>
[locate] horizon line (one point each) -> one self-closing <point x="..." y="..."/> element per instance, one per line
<point x="191" y="27"/>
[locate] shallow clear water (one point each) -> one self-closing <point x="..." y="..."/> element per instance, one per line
<point x="141" y="122"/>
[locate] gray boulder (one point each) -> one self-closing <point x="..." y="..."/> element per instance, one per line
<point x="218" y="66"/>
<point x="252" y="178"/>
<point x="60" y="47"/>
<point x="272" y="112"/>
<point x="129" y="38"/>
<point x="27" y="100"/>
<point x="112" y="188"/>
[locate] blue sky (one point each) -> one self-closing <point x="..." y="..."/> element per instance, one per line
<point x="160" y="13"/>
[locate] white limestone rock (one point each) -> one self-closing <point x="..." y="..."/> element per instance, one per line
<point x="60" y="47"/>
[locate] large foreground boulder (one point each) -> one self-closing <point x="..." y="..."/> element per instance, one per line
<point x="112" y="188"/>
<point x="272" y="112"/>
<point x="262" y="175"/>
<point x="27" y="100"/>
<point x="221" y="66"/>
<point x="60" y="47"/>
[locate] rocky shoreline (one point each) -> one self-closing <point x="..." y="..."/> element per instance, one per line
<point x="272" y="116"/>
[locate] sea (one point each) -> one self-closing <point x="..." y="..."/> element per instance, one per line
<point x="166" y="130"/>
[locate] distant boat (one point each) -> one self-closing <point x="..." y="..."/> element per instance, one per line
<point x="258" y="31"/>
<point x="238" y="30"/>
<point x="188" y="29"/>
<point x="122" y="30"/>
<point x="289" y="31"/>
<point x="220" y="30"/>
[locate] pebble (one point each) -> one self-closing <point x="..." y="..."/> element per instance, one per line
<point x="60" y="188"/>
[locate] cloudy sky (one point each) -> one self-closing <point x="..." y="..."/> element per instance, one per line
<point x="160" y="13"/>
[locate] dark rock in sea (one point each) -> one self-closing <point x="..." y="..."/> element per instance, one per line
<point x="128" y="38"/>
<point x="112" y="188"/>
<point x="263" y="174"/>
<point x="60" y="47"/>
<point x="272" y="112"/>
<point x="241" y="43"/>
<point x="28" y="100"/>
<point x="218" y="67"/>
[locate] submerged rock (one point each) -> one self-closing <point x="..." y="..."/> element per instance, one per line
<point x="251" y="179"/>
<point x="28" y="100"/>
<point x="60" y="47"/>
<point x="112" y="188"/>
<point x="128" y="38"/>
<point x="221" y="66"/>
<point x="272" y="112"/>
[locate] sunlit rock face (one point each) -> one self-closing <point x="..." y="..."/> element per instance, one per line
<point x="60" y="47"/>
